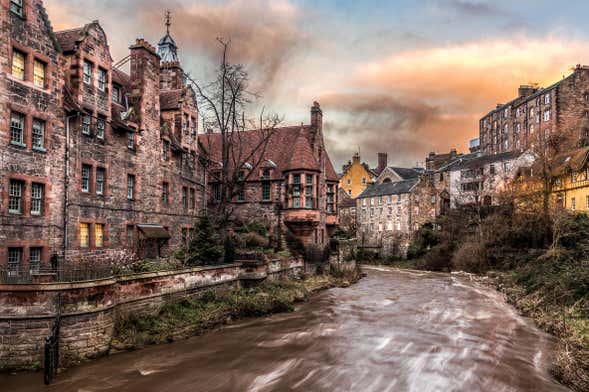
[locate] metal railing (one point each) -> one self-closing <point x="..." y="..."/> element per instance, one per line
<point x="22" y="275"/>
<point x="51" y="362"/>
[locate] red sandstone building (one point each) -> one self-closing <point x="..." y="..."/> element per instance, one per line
<point x="293" y="188"/>
<point x="96" y="164"/>
<point x="539" y="114"/>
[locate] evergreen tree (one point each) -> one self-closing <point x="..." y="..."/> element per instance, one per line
<point x="205" y="248"/>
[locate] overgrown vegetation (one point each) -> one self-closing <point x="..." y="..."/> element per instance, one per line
<point x="191" y="317"/>
<point x="543" y="268"/>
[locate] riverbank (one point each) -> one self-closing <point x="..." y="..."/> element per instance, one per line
<point x="214" y="309"/>
<point x="553" y="295"/>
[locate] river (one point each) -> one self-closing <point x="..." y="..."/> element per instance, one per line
<point x="392" y="331"/>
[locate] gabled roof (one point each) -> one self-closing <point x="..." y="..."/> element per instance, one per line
<point x="283" y="144"/>
<point x="389" y="188"/>
<point x="573" y="160"/>
<point x="69" y="39"/>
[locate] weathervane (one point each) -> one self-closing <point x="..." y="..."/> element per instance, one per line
<point x="168" y="23"/>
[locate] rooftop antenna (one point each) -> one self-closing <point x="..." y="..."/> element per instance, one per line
<point x="168" y="23"/>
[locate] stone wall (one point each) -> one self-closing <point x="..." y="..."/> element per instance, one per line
<point x="89" y="309"/>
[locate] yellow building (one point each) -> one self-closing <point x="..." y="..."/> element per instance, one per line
<point x="357" y="175"/>
<point x="571" y="184"/>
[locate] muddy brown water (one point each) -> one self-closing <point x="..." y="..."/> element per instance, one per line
<point x="392" y="331"/>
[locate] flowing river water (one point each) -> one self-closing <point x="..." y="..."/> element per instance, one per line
<point x="392" y="331"/>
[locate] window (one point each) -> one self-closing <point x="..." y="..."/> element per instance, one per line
<point x="349" y="192"/>
<point x="505" y="112"/>
<point x="185" y="124"/>
<point x="296" y="191"/>
<point x="99" y="235"/>
<point x="532" y="129"/>
<point x="84" y="235"/>
<point x="130" y="186"/>
<point x="16" y="7"/>
<point x="86" y="124"/>
<point x="87" y="72"/>
<point x="37" y="191"/>
<point x="371" y="212"/>
<point x="15" y="194"/>
<point x="102" y="79"/>
<point x="86" y="178"/>
<point x="390" y="211"/>
<point x="492" y="169"/>
<point x="165" y="193"/>
<point x="100" y="181"/>
<point x="547" y="115"/>
<point x="573" y="177"/>
<point x="166" y="150"/>
<point x="185" y="197"/>
<point x="38" y="134"/>
<point x="39" y="73"/>
<point x="372" y="201"/>
<point x="129" y="235"/>
<point x="14" y="258"/>
<point x="192" y="198"/>
<point x="547" y="99"/>
<point x="241" y="193"/>
<point x="18" y="64"/>
<point x="100" y="126"/>
<point x="573" y="204"/>
<point x="587" y="202"/>
<point x="330" y="198"/>
<point x="192" y="126"/>
<point x="349" y="181"/>
<point x="266" y="185"/>
<point x="217" y="192"/>
<point x="433" y="199"/>
<point x="308" y="191"/>
<point x="131" y="140"/>
<point x="364" y="202"/>
<point x="380" y="200"/>
<point x="363" y="180"/>
<point x="35" y="259"/>
<point x="17" y="126"/>
<point x="116" y="94"/>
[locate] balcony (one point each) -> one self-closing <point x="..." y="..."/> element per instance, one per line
<point x="301" y="215"/>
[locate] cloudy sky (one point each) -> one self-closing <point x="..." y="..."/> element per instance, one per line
<point x="404" y="77"/>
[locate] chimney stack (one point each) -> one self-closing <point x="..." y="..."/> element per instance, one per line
<point x="317" y="117"/>
<point x="525" y="90"/>
<point x="382" y="161"/>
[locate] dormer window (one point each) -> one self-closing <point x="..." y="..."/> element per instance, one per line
<point x="87" y="72"/>
<point x="16" y="7"/>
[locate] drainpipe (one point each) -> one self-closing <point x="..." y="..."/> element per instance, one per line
<point x="66" y="184"/>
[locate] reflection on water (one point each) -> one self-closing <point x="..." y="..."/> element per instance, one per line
<point x="393" y="331"/>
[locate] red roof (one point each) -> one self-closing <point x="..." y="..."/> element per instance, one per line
<point x="121" y="78"/>
<point x="288" y="149"/>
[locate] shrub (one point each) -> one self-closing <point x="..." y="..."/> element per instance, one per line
<point x="470" y="256"/>
<point x="204" y="247"/>
<point x="423" y="241"/>
<point x="254" y="240"/>
<point x="439" y="258"/>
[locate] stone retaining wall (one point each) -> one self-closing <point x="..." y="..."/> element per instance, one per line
<point x="89" y="309"/>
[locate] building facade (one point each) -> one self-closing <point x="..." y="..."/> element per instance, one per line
<point x="388" y="214"/>
<point x="557" y="113"/>
<point x="293" y="186"/>
<point x="357" y="175"/>
<point x="98" y="165"/>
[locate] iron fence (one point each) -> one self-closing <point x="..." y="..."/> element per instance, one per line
<point x="22" y="275"/>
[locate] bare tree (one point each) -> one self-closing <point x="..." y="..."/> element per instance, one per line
<point x="243" y="140"/>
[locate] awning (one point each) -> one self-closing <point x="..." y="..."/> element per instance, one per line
<point x="154" y="231"/>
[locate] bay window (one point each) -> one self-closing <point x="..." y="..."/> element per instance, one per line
<point x="308" y="191"/>
<point x="296" y="191"/>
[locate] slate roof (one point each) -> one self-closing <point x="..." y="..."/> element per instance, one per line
<point x="389" y="188"/>
<point x="464" y="164"/>
<point x="405" y="173"/>
<point x="288" y="149"/>
<point x="121" y="78"/>
<point x="68" y="39"/>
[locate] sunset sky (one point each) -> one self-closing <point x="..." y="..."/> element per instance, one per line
<point x="403" y="77"/>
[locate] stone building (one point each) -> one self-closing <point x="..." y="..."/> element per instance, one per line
<point x="97" y="165"/>
<point x="357" y="175"/>
<point x="558" y="112"/>
<point x="389" y="213"/>
<point x="294" y="186"/>
<point x="482" y="180"/>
